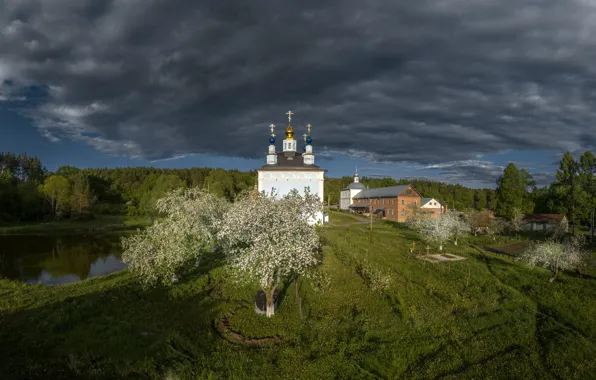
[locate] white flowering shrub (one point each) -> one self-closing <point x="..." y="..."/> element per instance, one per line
<point x="377" y="280"/>
<point x="458" y="226"/>
<point x="496" y="226"/>
<point x="436" y="229"/>
<point x="269" y="239"/>
<point x="187" y="228"/>
<point x="556" y="256"/>
<point x="517" y="220"/>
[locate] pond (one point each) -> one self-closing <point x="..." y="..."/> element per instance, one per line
<point x="54" y="260"/>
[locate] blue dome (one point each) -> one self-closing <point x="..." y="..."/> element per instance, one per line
<point x="308" y="140"/>
<point x="272" y="140"/>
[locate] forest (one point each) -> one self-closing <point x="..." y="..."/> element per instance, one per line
<point x="31" y="193"/>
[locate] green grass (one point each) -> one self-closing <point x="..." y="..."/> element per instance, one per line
<point x="484" y="317"/>
<point x="100" y="223"/>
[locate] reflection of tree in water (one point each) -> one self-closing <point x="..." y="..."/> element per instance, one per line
<point x="25" y="257"/>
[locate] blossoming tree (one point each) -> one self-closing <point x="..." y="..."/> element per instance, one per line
<point x="556" y="256"/>
<point x="435" y="229"/>
<point x="270" y="239"/>
<point x="187" y="229"/>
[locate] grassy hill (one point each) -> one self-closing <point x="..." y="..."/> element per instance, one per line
<point x="382" y="314"/>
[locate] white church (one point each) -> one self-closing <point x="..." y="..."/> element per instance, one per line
<point x="290" y="169"/>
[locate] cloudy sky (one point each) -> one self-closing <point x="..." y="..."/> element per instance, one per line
<point x="444" y="89"/>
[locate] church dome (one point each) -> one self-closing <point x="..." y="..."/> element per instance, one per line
<point x="289" y="132"/>
<point x="308" y="140"/>
<point x="272" y="140"/>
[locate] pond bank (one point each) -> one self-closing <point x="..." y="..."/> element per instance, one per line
<point x="99" y="224"/>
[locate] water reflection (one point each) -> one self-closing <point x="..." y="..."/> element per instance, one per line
<point x="56" y="260"/>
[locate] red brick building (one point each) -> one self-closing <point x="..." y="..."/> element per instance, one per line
<point x="394" y="203"/>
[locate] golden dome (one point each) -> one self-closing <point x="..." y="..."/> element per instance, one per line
<point x="289" y="132"/>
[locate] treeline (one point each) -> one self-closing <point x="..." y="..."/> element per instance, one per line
<point x="29" y="192"/>
<point x="454" y="196"/>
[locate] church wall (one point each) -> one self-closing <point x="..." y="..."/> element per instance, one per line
<point x="282" y="182"/>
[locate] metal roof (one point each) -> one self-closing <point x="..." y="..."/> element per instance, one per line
<point x="382" y="192"/>
<point x="355" y="186"/>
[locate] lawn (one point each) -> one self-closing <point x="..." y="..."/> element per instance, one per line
<point x="382" y="314"/>
<point x="99" y="223"/>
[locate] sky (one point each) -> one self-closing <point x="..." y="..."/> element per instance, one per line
<point x="449" y="90"/>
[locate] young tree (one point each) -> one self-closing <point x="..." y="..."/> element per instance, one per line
<point x="56" y="190"/>
<point x="517" y="220"/>
<point x="567" y="180"/>
<point x="269" y="239"/>
<point x="436" y="229"/>
<point x="187" y="230"/>
<point x="556" y="256"/>
<point x="82" y="196"/>
<point x="496" y="226"/>
<point x="457" y="225"/>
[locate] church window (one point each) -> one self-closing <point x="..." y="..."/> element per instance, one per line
<point x="392" y="212"/>
<point x="403" y="212"/>
<point x="403" y="202"/>
<point x="415" y="203"/>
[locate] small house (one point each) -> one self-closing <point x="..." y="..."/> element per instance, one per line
<point x="543" y="222"/>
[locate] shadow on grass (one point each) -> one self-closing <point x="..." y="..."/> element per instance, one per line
<point x="120" y="331"/>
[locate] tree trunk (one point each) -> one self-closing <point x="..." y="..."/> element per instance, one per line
<point x="455" y="242"/>
<point x="270" y="304"/>
<point x="556" y="271"/>
<point x="441" y="247"/>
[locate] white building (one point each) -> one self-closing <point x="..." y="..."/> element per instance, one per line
<point x="290" y="169"/>
<point x="431" y="204"/>
<point x="347" y="194"/>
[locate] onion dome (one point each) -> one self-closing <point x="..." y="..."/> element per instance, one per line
<point x="289" y="132"/>
<point x="272" y="140"/>
<point x="308" y="140"/>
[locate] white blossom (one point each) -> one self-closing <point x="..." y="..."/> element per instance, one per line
<point x="187" y="229"/>
<point x="517" y="220"/>
<point x="435" y="229"/>
<point x="556" y="256"/>
<point x="269" y="239"/>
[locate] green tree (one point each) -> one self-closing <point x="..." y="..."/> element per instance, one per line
<point x="56" y="190"/>
<point x="154" y="188"/>
<point x="82" y="197"/>
<point x="568" y="181"/>
<point x="512" y="191"/>
<point x="587" y="177"/>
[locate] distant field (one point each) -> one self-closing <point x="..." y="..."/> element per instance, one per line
<point x="384" y="314"/>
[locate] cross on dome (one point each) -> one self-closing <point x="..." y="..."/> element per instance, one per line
<point x="289" y="113"/>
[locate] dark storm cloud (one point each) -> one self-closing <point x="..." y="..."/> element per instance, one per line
<point x="412" y="81"/>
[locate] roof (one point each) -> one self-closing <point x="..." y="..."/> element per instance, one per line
<point x="291" y="162"/>
<point x="359" y="205"/>
<point x="355" y="186"/>
<point x="382" y="192"/>
<point x="544" y="218"/>
<point x="424" y="201"/>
